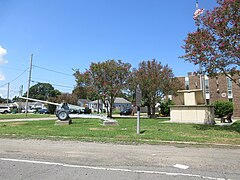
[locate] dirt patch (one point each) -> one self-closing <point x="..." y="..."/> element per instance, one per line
<point x="17" y="123"/>
<point x="101" y="129"/>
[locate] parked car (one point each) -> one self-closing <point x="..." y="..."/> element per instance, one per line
<point x="43" y="111"/>
<point x="126" y="112"/>
<point x="5" y="109"/>
<point x="29" y="110"/>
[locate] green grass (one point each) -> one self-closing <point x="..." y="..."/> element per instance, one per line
<point x="22" y="116"/>
<point x="152" y="131"/>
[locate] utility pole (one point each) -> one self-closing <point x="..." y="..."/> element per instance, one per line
<point x="29" y="82"/>
<point x="20" y="94"/>
<point x="8" y="92"/>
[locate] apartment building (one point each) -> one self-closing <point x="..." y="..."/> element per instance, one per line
<point x="219" y="88"/>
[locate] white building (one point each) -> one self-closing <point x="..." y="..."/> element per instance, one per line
<point x="119" y="104"/>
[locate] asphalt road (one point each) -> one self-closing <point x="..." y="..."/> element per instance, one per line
<point x="44" y="159"/>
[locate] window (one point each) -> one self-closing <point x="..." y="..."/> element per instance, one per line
<point x="229" y="82"/>
<point x="206" y="84"/>
<point x="207" y="101"/>
<point x="217" y="85"/>
<point x="207" y="93"/>
<point x="187" y="83"/>
<point x="196" y="85"/>
<point x="229" y="86"/>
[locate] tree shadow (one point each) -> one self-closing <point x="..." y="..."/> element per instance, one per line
<point x="235" y="127"/>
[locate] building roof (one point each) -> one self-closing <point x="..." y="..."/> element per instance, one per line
<point x="84" y="101"/>
<point x="118" y="100"/>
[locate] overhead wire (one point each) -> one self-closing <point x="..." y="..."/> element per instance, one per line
<point x="14" y="78"/>
<point x="43" y="68"/>
<point x="52" y="70"/>
<point x="15" y="69"/>
<point x="52" y="84"/>
<point x="19" y="76"/>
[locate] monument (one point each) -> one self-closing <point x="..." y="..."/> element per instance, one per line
<point x="193" y="108"/>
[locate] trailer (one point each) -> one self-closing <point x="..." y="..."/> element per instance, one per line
<point x="64" y="112"/>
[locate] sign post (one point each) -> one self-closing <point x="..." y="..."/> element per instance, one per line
<point x="138" y="104"/>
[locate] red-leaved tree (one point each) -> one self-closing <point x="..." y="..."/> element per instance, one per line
<point x="215" y="44"/>
<point x="107" y="78"/>
<point x="155" y="81"/>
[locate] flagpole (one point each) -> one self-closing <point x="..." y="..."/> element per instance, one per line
<point x="202" y="79"/>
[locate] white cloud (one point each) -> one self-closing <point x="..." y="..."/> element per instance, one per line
<point x="3" y="52"/>
<point x="2" y="77"/>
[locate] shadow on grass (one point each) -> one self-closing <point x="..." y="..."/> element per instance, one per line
<point x="234" y="127"/>
<point x="85" y="121"/>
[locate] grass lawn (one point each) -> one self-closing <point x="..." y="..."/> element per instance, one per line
<point x="22" y="116"/>
<point x="152" y="131"/>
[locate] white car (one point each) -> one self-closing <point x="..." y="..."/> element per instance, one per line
<point x="5" y="109"/>
<point x="29" y="110"/>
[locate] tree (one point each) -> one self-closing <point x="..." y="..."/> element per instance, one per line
<point x="85" y="88"/>
<point x="215" y="45"/>
<point x="2" y="100"/>
<point x="42" y="91"/>
<point x="66" y="97"/>
<point x="165" y="107"/>
<point x="156" y="81"/>
<point x="222" y="108"/>
<point x="63" y="97"/>
<point x="107" y="78"/>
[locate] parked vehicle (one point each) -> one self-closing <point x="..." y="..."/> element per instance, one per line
<point x="126" y="112"/>
<point x="5" y="109"/>
<point x="29" y="110"/>
<point x="43" y="111"/>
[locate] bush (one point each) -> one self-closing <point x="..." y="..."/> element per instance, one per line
<point x="164" y="107"/>
<point x="223" y="108"/>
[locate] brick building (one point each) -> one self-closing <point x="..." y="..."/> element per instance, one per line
<point x="220" y="88"/>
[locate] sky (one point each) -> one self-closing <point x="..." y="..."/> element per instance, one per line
<point x="65" y="35"/>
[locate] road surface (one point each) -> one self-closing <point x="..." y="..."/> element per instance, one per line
<point x="45" y="159"/>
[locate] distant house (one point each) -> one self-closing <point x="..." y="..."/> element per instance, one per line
<point x="31" y="105"/>
<point x="22" y="105"/>
<point x="83" y="102"/>
<point x="119" y="104"/>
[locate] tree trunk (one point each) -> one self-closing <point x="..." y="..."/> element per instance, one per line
<point x="148" y="110"/>
<point x="153" y="112"/>
<point x="111" y="107"/>
<point x="110" y="112"/>
<point x="107" y="109"/>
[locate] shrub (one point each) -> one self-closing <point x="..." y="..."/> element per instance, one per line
<point x="223" y="108"/>
<point x="164" y="107"/>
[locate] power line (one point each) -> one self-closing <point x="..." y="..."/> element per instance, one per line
<point x="52" y="70"/>
<point x="3" y="85"/>
<point x="19" y="76"/>
<point x="14" y="79"/>
<point x="15" y="69"/>
<point x="53" y="84"/>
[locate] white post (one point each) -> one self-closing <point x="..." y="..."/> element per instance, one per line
<point x="138" y="104"/>
<point x="138" y="120"/>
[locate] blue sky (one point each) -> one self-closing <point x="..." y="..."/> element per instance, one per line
<point x="70" y="34"/>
